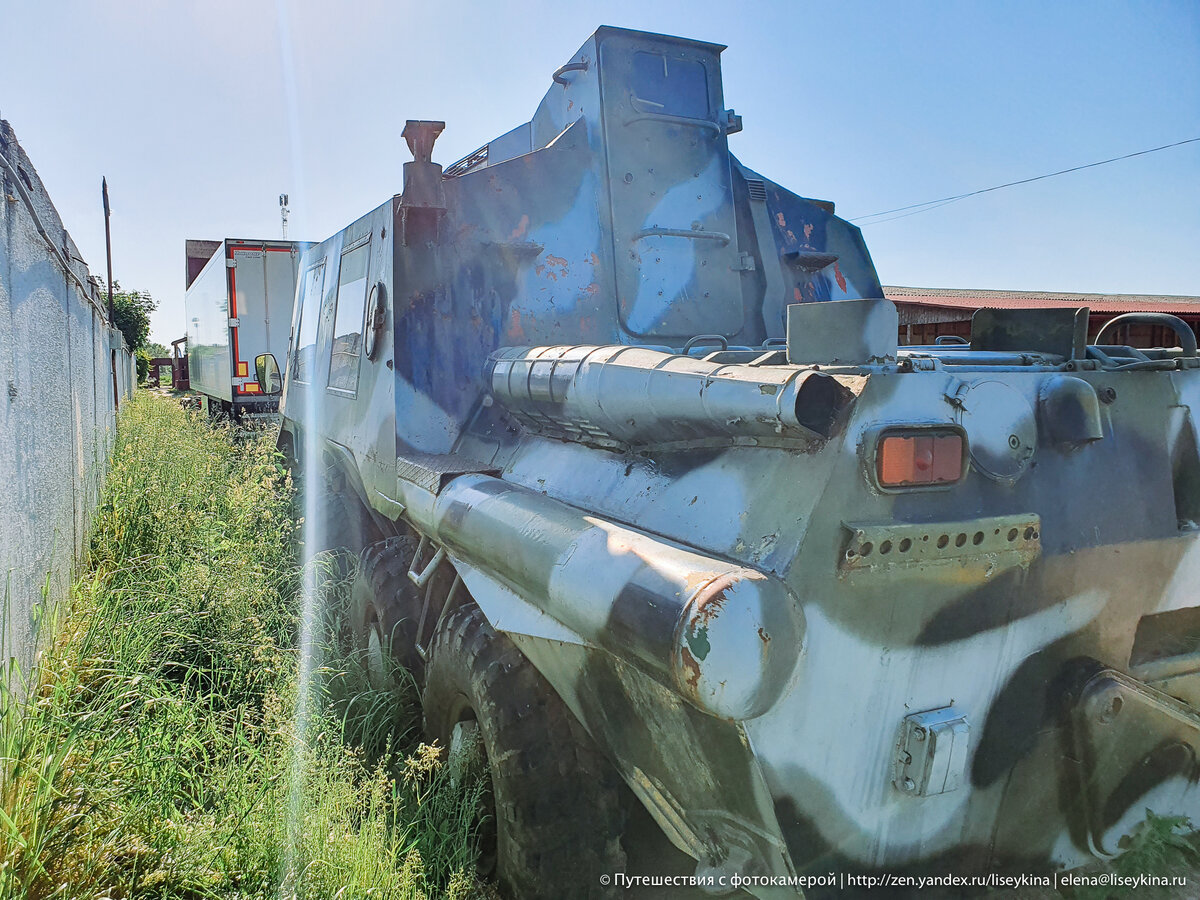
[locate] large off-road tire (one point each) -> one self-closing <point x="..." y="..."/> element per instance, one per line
<point x="384" y="607"/>
<point x="342" y="522"/>
<point x="557" y="815"/>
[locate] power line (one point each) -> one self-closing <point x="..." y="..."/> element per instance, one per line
<point x="934" y="204"/>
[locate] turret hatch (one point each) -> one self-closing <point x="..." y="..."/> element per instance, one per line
<point x="674" y="233"/>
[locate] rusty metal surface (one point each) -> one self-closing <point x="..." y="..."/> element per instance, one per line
<point x="677" y="536"/>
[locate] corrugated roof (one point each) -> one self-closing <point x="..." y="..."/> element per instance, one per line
<point x="967" y="298"/>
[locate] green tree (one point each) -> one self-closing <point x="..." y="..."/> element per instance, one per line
<point x="144" y="354"/>
<point x="131" y="313"/>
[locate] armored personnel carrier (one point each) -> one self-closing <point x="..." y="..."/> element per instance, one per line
<point x="654" y="506"/>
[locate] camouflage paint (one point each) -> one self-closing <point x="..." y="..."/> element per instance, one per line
<point x="533" y="409"/>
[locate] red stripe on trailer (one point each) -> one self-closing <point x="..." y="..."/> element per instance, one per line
<point x="233" y="331"/>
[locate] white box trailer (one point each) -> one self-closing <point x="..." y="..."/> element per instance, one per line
<point x="238" y="302"/>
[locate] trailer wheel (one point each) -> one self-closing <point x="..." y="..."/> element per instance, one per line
<point x="555" y="819"/>
<point x="383" y="608"/>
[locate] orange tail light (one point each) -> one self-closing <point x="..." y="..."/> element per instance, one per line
<point x="920" y="458"/>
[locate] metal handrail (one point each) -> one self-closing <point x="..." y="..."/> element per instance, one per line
<point x="569" y="67"/>
<point x="706" y="339"/>
<point x="1187" y="337"/>
<point x="683" y="233"/>
<point x="703" y="124"/>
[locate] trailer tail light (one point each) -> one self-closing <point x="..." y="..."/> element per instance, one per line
<point x="920" y="457"/>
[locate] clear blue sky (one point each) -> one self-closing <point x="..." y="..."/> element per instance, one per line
<point x="202" y="113"/>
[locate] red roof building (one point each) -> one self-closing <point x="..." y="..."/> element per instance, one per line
<point x="928" y="313"/>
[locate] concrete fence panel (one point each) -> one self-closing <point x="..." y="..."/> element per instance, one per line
<point x="63" y="372"/>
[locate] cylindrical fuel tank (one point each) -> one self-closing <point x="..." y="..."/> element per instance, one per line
<point x="640" y="396"/>
<point x="725" y="636"/>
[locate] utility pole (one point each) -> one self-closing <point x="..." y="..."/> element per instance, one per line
<point x="107" y="244"/>
<point x="283" y="212"/>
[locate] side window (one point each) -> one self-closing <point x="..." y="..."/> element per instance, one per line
<point x="348" y="319"/>
<point x="673" y="87"/>
<point x="306" y="337"/>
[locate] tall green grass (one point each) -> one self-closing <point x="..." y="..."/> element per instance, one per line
<point x="153" y="753"/>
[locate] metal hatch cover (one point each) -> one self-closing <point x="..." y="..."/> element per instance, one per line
<point x="1001" y="428"/>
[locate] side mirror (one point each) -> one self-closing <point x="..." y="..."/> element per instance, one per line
<point x="266" y="371"/>
<point x="376" y="313"/>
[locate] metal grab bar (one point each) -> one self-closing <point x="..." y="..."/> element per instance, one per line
<point x="569" y="67"/>
<point x="703" y="124"/>
<point x="683" y="233"/>
<point x="706" y="339"/>
<point x="1187" y="337"/>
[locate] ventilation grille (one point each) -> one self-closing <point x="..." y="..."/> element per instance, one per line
<point x="757" y="188"/>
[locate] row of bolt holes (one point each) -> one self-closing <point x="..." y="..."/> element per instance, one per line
<point x="885" y="547"/>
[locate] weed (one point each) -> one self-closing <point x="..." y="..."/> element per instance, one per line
<point x="1158" y="845"/>
<point x="151" y="753"/>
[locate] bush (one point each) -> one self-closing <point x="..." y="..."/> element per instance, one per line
<point x="131" y="314"/>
